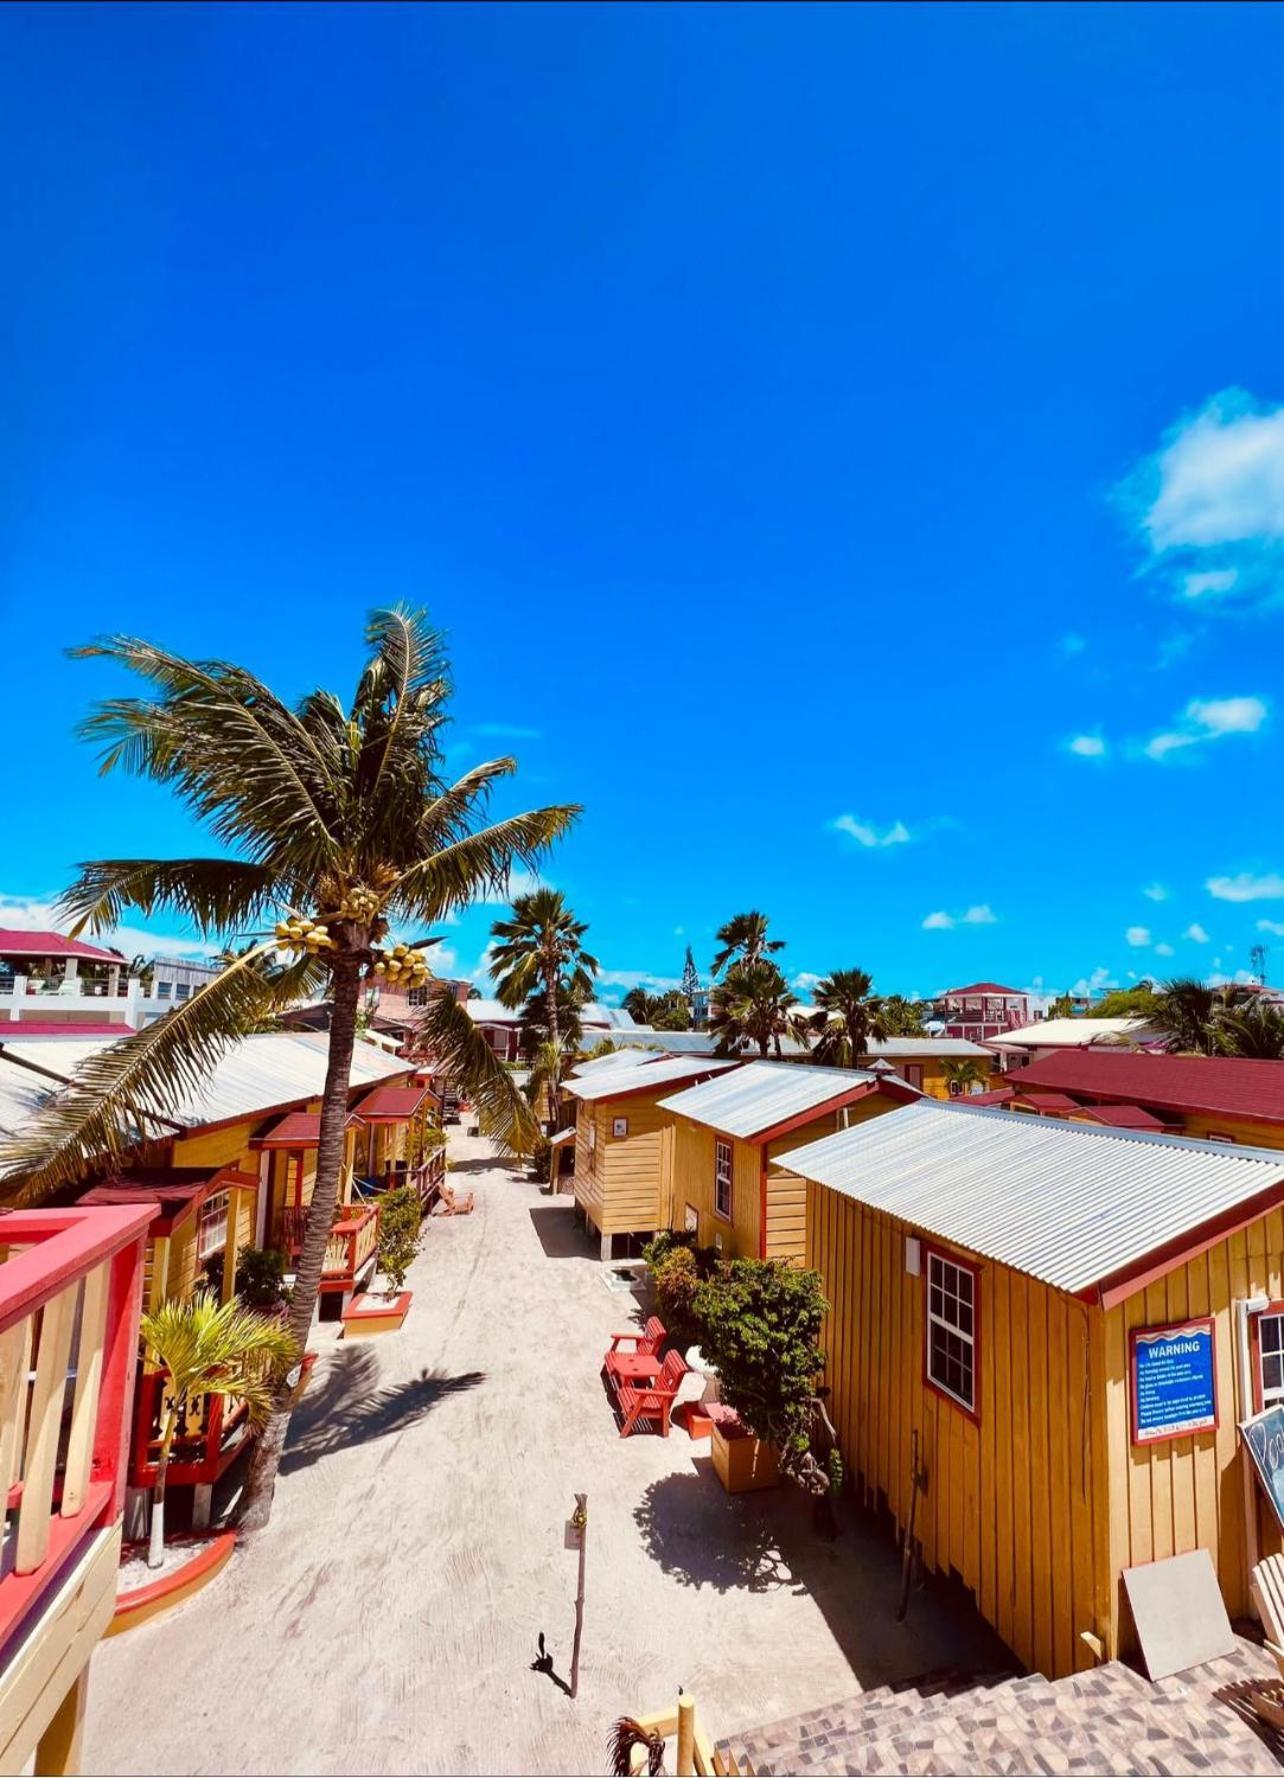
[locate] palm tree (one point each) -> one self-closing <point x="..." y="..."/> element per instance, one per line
<point x="754" y="1004"/>
<point x="208" y="1350"/>
<point x="540" y="951"/>
<point x="1187" y="1010"/>
<point x="898" y="1016"/>
<point x="744" y="937"/>
<point x="846" y="1018"/>
<point x="642" y="1006"/>
<point x="673" y="1013"/>
<point x="341" y="810"/>
<point x="963" y="1074"/>
<point x="1254" y="1030"/>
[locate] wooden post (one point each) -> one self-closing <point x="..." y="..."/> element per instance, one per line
<point x="580" y="1519"/>
<point x="686" y="1735"/>
<point x="917" y="1479"/>
<point x="58" y="1751"/>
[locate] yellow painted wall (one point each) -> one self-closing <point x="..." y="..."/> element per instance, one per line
<point x="622" y="1183"/>
<point x="1251" y="1135"/>
<point x="1042" y="1502"/>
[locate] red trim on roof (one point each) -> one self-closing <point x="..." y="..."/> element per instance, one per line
<point x="297" y="1129"/>
<point x="894" y="1090"/>
<point x="177" y="1191"/>
<point x="14" y="1029"/>
<point x="1218" y="1086"/>
<point x="986" y="988"/>
<point x="1118" y="1286"/>
<point x="1044" y="1102"/>
<point x="1120" y="1117"/>
<point x="390" y="1104"/>
<point x="15" y="943"/>
<point x="1000" y="1096"/>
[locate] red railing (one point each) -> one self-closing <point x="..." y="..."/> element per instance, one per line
<point x="70" y="1294"/>
<point x="350" y="1248"/>
<point x="212" y="1432"/>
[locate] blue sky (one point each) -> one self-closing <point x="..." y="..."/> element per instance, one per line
<point x="845" y="447"/>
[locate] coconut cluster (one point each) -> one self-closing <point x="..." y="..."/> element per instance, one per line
<point x="302" y="934"/>
<point x="360" y="905"/>
<point x="400" y="965"/>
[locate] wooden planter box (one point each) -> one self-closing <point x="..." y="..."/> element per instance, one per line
<point x="743" y="1463"/>
<point x="366" y="1316"/>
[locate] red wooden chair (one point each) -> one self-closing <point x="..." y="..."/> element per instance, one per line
<point x="654" y="1400"/>
<point x="646" y="1344"/>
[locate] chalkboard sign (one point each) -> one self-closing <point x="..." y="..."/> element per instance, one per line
<point x="1264" y="1439"/>
<point x="1174" y="1381"/>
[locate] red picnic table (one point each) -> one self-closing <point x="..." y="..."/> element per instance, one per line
<point x="636" y="1367"/>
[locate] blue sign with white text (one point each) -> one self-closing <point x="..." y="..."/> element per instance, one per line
<point x="1174" y="1381"/>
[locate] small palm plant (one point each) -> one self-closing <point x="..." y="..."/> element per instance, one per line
<point x="210" y="1350"/>
<point x="962" y="1074"/>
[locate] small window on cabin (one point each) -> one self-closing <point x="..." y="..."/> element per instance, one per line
<point x="722" y="1180"/>
<point x="211" y="1226"/>
<point x="914" y="1074"/>
<point x="1270" y="1357"/>
<point x="163" y="990"/>
<point x="951" y="1329"/>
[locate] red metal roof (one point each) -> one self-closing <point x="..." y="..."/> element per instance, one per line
<point x="1222" y="1085"/>
<point x="1045" y="1101"/>
<point x="297" y="1129"/>
<point x="15" y="943"/>
<point x="13" y="1029"/>
<point x="986" y="988"/>
<point x="176" y="1190"/>
<point x="1122" y="1117"/>
<point x="390" y="1104"/>
<point x="1000" y="1096"/>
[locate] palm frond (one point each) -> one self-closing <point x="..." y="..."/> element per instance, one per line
<point x="218" y="895"/>
<point x="448" y="1033"/>
<point x="448" y="817"/>
<point x="481" y="863"/>
<point x="226" y="1350"/>
<point x="102" y="1114"/>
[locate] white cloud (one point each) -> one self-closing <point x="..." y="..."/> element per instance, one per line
<point x="1209" y="719"/>
<point x="1087" y="746"/>
<point x="1243" y="978"/>
<point x="36" y="913"/>
<point x="520" y="883"/>
<point x="1138" y="935"/>
<point x="865" y="833"/>
<point x="1163" y="950"/>
<point x="636" y="978"/>
<point x="980" y="915"/>
<point x="1208" y="506"/>
<point x="1247" y="887"/>
<point x="1273" y="926"/>
<point x="1099" y="982"/>
<point x="805" y="981"/>
<point x="1196" y="934"/>
<point x="1155" y="892"/>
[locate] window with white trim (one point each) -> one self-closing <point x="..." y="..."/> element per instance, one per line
<point x="211" y="1226"/>
<point x="1270" y="1357"/>
<point x="951" y="1329"/>
<point x="722" y="1179"/>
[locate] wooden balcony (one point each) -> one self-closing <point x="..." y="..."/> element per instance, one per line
<point x="70" y="1290"/>
<point x="212" y="1433"/>
<point x="350" y="1249"/>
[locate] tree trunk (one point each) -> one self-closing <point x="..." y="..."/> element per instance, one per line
<point x="555" y="1081"/>
<point x="156" y="1531"/>
<point x="256" y="1499"/>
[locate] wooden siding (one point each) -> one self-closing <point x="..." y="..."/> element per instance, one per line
<point x="622" y="1183"/>
<point x="1015" y="1500"/>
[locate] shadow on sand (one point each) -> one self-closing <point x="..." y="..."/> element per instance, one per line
<point x="560" y="1235"/>
<point x="346" y="1408"/>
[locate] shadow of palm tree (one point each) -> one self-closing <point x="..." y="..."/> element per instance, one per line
<point x="346" y="1408"/>
<point x="706" y="1538"/>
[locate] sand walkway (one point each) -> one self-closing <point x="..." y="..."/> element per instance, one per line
<point x="387" y="1620"/>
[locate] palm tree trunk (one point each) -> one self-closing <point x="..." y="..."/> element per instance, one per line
<point x="256" y="1499"/>
<point x="156" y="1531"/>
<point x="555" y="1080"/>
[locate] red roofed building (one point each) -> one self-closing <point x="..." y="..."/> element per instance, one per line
<point x="1219" y="1098"/>
<point x="985" y="1009"/>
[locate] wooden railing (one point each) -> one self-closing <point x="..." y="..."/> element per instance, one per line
<point x="70" y="1294"/>
<point x="211" y="1433"/>
<point x="350" y="1248"/>
<point x="694" y="1752"/>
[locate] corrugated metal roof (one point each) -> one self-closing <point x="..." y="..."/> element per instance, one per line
<point x="1225" y="1085"/>
<point x="267" y="1069"/>
<point x="646" y="1037"/>
<point x="914" y="1047"/>
<point x="1069" y="1203"/>
<point x="494" y="1012"/>
<point x="630" y="1058"/>
<point x="1069" y="1033"/>
<point x="611" y="1081"/>
<point x="761" y="1095"/>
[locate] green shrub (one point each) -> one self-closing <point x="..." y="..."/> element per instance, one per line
<point x="677" y="1284"/>
<point x="760" y="1323"/>
<point x="541" y="1159"/>
<point x="401" y="1218"/>
<point x="260" y="1277"/>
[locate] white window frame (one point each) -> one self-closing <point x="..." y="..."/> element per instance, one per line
<point x="211" y="1226"/>
<point x="723" y="1178"/>
<point x="939" y="1268"/>
<point x="1268" y="1398"/>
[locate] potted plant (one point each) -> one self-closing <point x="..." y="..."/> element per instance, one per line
<point x="209" y="1350"/>
<point x="401" y="1216"/>
<point x="760" y="1322"/>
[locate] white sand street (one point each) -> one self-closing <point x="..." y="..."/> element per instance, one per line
<point x="387" y="1620"/>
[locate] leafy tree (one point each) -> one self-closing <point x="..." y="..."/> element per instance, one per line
<point x="760" y="1323"/>
<point x="754" y="1004"/>
<point x="540" y="951"/>
<point x="846" y="1018"/>
<point x="1253" y="1029"/>
<point x="642" y="1005"/>
<point x="260" y="1277"/>
<point x="964" y="1072"/>
<point x="744" y="939"/>
<point x="341" y="809"/>
<point x="401" y="1216"/>
<point x="208" y="1350"/>
<point x="1188" y="1011"/>
<point x="674" y="1013"/>
<point x="1126" y="1003"/>
<point x="898" y="1017"/>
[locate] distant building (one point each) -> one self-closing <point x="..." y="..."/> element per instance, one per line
<point x="1028" y="1042"/>
<point x="983" y="1010"/>
<point x="502" y="1025"/>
